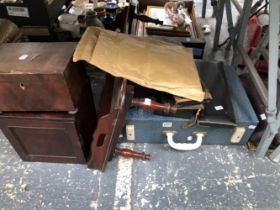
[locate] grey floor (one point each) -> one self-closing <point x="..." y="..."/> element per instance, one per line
<point x="214" y="177"/>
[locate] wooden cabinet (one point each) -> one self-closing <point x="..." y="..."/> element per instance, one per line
<point x="52" y="136"/>
<point x="39" y="77"/>
<point x="47" y="138"/>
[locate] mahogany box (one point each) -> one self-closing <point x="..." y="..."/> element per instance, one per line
<point x="39" y="77"/>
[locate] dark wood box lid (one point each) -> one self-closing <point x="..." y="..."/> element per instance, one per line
<point x="35" y="58"/>
<point x="56" y="116"/>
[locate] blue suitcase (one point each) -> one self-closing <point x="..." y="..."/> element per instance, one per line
<point x="147" y="127"/>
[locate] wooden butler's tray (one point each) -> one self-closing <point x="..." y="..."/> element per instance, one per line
<point x="115" y="101"/>
<point x="157" y="12"/>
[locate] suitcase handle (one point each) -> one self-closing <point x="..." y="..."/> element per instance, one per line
<point x="185" y="146"/>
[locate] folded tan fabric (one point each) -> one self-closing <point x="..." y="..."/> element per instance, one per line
<point x="149" y="63"/>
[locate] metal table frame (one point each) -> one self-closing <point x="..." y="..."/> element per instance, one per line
<point x="273" y="112"/>
<point x="267" y="94"/>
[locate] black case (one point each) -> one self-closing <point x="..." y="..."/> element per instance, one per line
<point x="41" y="13"/>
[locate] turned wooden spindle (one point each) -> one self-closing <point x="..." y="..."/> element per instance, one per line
<point x="148" y="104"/>
<point x="128" y="153"/>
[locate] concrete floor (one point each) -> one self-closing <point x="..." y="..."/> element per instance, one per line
<point x="214" y="177"/>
